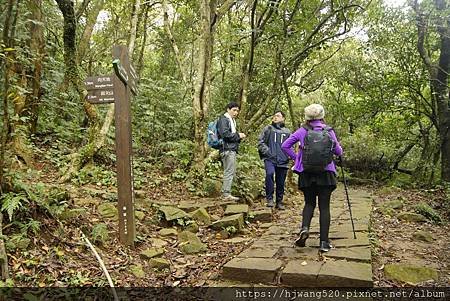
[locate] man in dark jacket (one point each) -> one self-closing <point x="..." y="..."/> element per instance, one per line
<point x="226" y="128"/>
<point x="275" y="159"/>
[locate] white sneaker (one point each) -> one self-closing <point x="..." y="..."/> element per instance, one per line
<point x="229" y="197"/>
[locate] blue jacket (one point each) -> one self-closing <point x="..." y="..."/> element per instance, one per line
<point x="269" y="144"/>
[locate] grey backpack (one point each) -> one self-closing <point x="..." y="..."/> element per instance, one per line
<point x="317" y="149"/>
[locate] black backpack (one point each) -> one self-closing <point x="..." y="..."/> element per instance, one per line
<point x="317" y="149"/>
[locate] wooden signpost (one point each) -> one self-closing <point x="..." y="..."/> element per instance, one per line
<point x="100" y="89"/>
<point x="117" y="89"/>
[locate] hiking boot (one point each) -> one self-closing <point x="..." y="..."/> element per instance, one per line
<point x="325" y="246"/>
<point x="280" y="206"/>
<point x="229" y="197"/>
<point x="301" y="241"/>
<point x="270" y="203"/>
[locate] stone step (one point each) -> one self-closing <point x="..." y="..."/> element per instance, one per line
<point x="252" y="270"/>
<point x="274" y="259"/>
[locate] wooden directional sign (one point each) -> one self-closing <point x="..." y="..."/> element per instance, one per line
<point x="100" y="89"/>
<point x="124" y="83"/>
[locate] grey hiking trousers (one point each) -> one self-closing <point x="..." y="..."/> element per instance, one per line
<point x="229" y="170"/>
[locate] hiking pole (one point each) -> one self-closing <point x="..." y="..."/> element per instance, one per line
<point x="346" y="194"/>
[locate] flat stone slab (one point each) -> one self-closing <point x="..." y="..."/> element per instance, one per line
<point x="361" y="240"/>
<point x="277" y="230"/>
<point x="273" y="241"/>
<point x="347" y="227"/>
<point x="173" y="213"/>
<point x="252" y="270"/>
<point x="301" y="273"/>
<point x="290" y="253"/>
<point x="236" y="209"/>
<point x="189" y="206"/>
<point x="345" y="274"/>
<point x="236" y="240"/>
<point x="261" y="215"/>
<point x="236" y="220"/>
<point x="362" y="254"/>
<point x="267" y="252"/>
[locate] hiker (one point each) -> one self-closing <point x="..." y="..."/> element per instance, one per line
<point x="226" y="127"/>
<point x="275" y="159"/>
<point x="316" y="170"/>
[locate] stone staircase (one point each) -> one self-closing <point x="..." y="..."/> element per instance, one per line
<point x="274" y="259"/>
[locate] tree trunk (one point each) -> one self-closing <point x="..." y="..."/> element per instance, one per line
<point x="99" y="132"/>
<point x="200" y="98"/>
<point x="176" y="51"/>
<point x="441" y="88"/>
<point x="72" y="75"/>
<point x="3" y="256"/>
<point x="133" y="29"/>
<point x="26" y="104"/>
<point x="438" y="72"/>
<point x="7" y="40"/>
<point x="91" y="20"/>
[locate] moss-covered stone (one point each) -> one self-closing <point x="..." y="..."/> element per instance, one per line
<point x="139" y="215"/>
<point x="192" y="227"/>
<point x="157" y="242"/>
<point x="423" y="236"/>
<point x="236" y="220"/>
<point x="168" y="232"/>
<point x="187" y="236"/>
<point x="211" y="187"/>
<point x="236" y="209"/>
<point x="173" y="213"/>
<point x="137" y="271"/>
<point x="18" y="241"/>
<point x="394" y="204"/>
<point x="152" y="252"/>
<point x="409" y="273"/>
<point x="108" y="210"/>
<point x="159" y="263"/>
<point x="201" y="216"/>
<point x="192" y="248"/>
<point x="72" y="213"/>
<point x="411" y="217"/>
<point x="190" y="243"/>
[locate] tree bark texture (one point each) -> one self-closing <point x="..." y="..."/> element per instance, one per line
<point x="8" y="41"/>
<point x="71" y="73"/>
<point x="200" y="99"/>
<point x="438" y="72"/>
<point x="91" y="20"/>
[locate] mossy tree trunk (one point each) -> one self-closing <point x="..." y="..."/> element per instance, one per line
<point x="438" y="71"/>
<point x="8" y="41"/>
<point x="73" y="77"/>
<point x="210" y="15"/>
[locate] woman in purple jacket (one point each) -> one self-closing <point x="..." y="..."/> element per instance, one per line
<point x="314" y="184"/>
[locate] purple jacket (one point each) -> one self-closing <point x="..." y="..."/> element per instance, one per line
<point x="299" y="136"/>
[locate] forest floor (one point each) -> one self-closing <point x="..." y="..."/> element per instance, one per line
<point x="58" y="256"/>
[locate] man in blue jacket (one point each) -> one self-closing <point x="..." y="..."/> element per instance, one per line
<point x="275" y="159"/>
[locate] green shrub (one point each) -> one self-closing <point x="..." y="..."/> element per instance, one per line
<point x="425" y="210"/>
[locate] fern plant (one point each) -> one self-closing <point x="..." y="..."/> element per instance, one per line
<point x="11" y="202"/>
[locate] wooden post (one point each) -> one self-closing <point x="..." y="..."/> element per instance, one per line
<point x="122" y="82"/>
<point x="117" y="89"/>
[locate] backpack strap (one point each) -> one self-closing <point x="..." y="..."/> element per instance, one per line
<point x="270" y="128"/>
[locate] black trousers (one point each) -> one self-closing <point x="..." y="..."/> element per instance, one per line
<point x="323" y="194"/>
